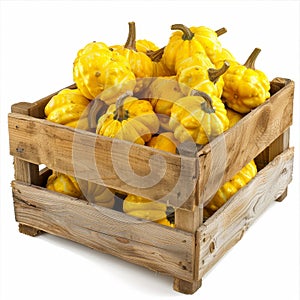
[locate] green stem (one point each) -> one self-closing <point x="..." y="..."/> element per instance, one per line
<point x="187" y="33"/>
<point x="214" y="74"/>
<point x="131" y="39"/>
<point x="250" y="62"/>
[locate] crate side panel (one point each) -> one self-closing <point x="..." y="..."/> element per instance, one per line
<point x="227" y="226"/>
<point x="115" y="163"/>
<point x="154" y="246"/>
<point x="227" y="154"/>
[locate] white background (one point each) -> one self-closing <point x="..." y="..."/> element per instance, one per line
<point x="39" y="41"/>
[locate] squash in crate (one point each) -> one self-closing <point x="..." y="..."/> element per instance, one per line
<point x="69" y="107"/>
<point x="198" y="117"/>
<point x="65" y="184"/>
<point x="230" y="188"/>
<point x="129" y="119"/>
<point x="99" y="70"/>
<point x="245" y="88"/>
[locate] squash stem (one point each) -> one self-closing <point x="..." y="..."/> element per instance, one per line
<point x="131" y="39"/>
<point x="156" y="55"/>
<point x="207" y="105"/>
<point x="214" y="74"/>
<point x="187" y="33"/>
<point x="120" y="113"/>
<point x="250" y="62"/>
<point x="221" y="31"/>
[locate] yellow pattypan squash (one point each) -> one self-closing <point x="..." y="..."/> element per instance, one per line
<point x="200" y="78"/>
<point x="69" y="107"/>
<point x="230" y="188"/>
<point x="233" y="117"/>
<point x="64" y="184"/>
<point x="164" y="141"/>
<point x="99" y="70"/>
<point x="97" y="194"/>
<point x="141" y="65"/>
<point x="145" y="46"/>
<point x="209" y="40"/>
<point x="143" y="208"/>
<point x="129" y="119"/>
<point x="244" y="87"/>
<point x="182" y="44"/>
<point x="198" y="117"/>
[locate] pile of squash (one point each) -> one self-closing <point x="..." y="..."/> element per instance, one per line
<point x="192" y="89"/>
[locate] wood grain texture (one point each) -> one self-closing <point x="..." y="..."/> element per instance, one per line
<point x="224" y="156"/>
<point x="228" y="225"/>
<point x="148" y="244"/>
<point x="115" y="163"/>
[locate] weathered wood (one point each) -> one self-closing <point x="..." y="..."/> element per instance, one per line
<point x="189" y="220"/>
<point x="28" y="230"/>
<point x="148" y="244"/>
<point x="187" y="182"/>
<point x="228" y="153"/>
<point x="186" y="287"/>
<point x="277" y="147"/>
<point x="115" y="163"/>
<point x="227" y="226"/>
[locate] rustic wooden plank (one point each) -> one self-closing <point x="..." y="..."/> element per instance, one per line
<point x="276" y="147"/>
<point x="186" y="287"/>
<point x="227" y="226"/>
<point x="148" y="244"/>
<point x="223" y="157"/>
<point x="118" y="164"/>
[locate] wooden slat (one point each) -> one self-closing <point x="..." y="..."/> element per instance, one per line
<point x="227" y="226"/>
<point x="151" y="245"/>
<point x="121" y="165"/>
<point x="223" y="157"/>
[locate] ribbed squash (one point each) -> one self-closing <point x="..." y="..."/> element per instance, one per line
<point x="230" y="188"/>
<point x="145" y="46"/>
<point x="245" y="88"/>
<point x="143" y="208"/>
<point x="182" y="44"/>
<point x="97" y="194"/>
<point x="200" y="78"/>
<point x="141" y="65"/>
<point x="129" y="119"/>
<point x="209" y="40"/>
<point x="233" y="117"/>
<point x="69" y="107"/>
<point x="198" y="117"/>
<point x="97" y="69"/>
<point x="164" y="141"/>
<point x="65" y="184"/>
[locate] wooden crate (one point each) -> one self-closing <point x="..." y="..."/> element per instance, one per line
<point x="185" y="252"/>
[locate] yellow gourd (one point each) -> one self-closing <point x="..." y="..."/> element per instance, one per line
<point x="65" y="184"/>
<point x="245" y="88"/>
<point x="98" y="71"/>
<point x="129" y="119"/>
<point x="200" y="78"/>
<point x="164" y="141"/>
<point x="97" y="194"/>
<point x="230" y="188"/>
<point x="69" y="107"/>
<point x="198" y="117"/>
